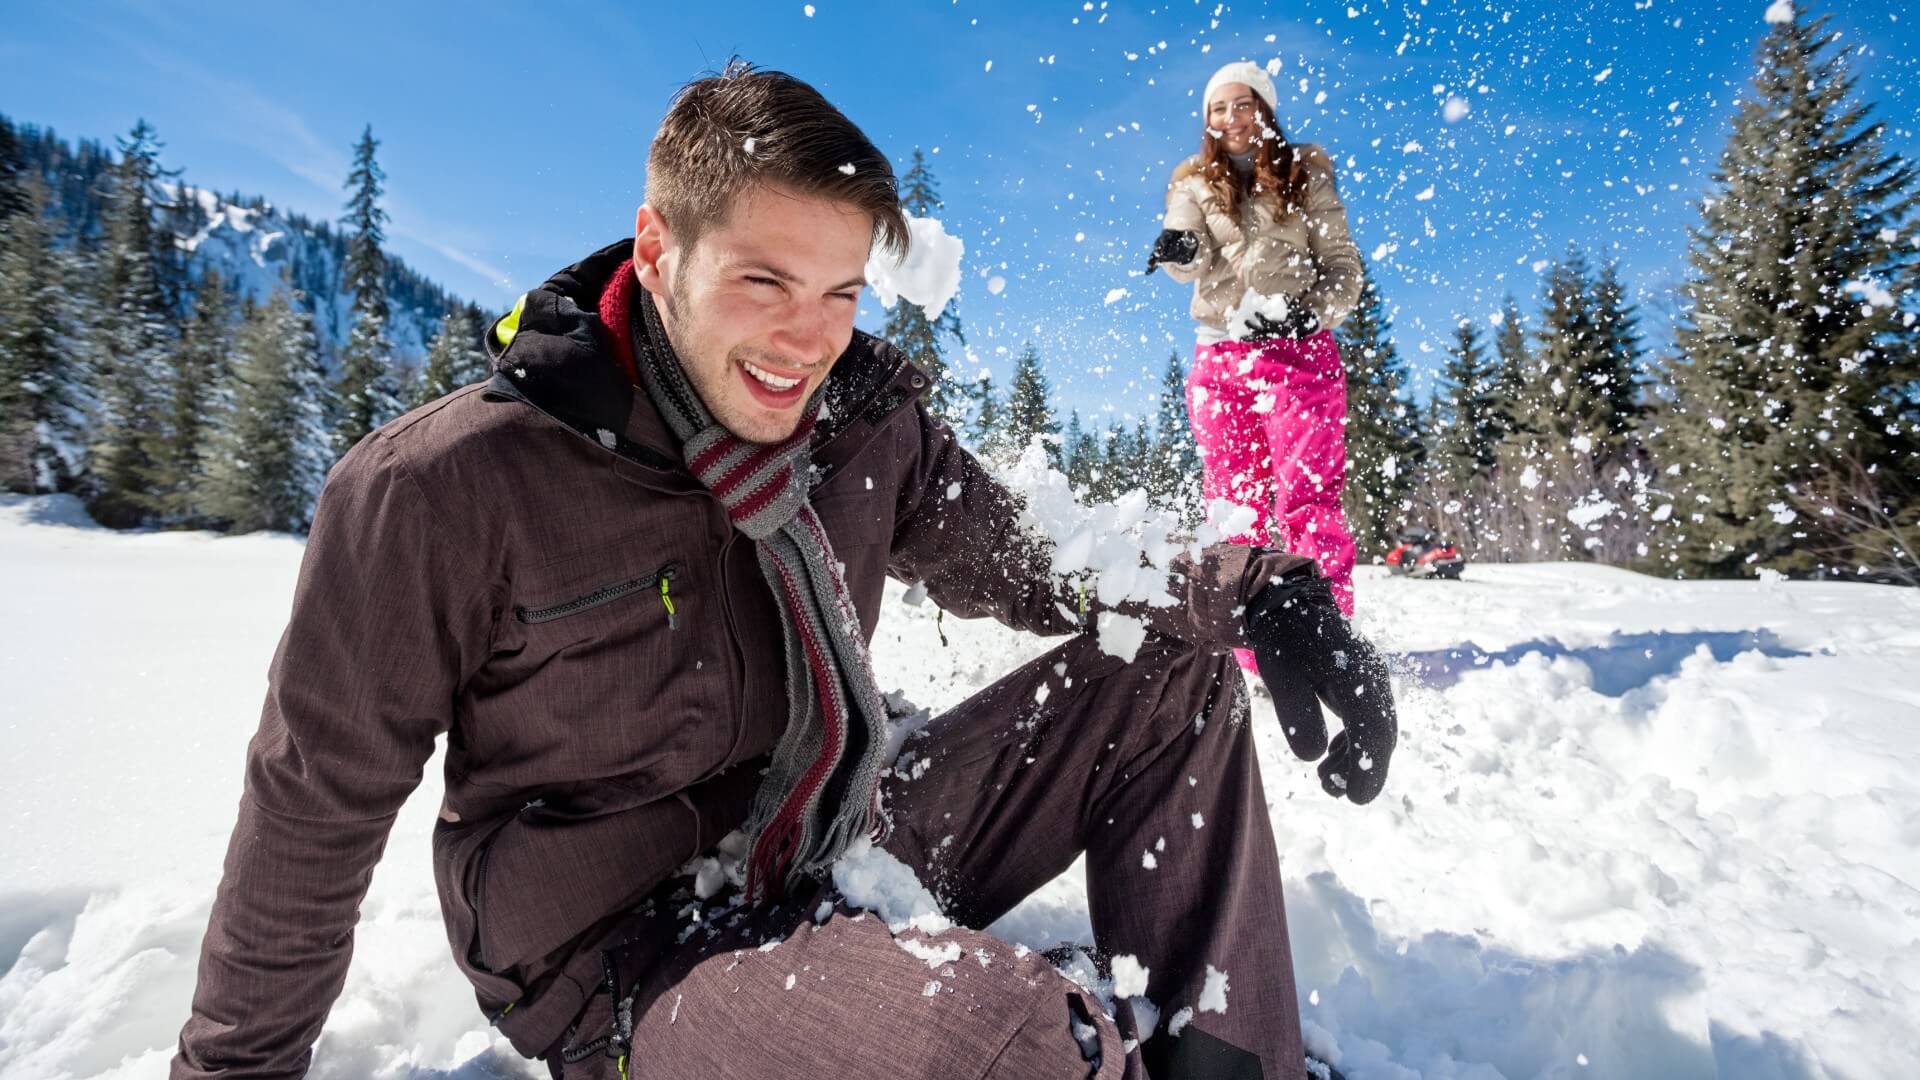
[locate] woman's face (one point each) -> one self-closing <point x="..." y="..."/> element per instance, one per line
<point x="1233" y="117"/>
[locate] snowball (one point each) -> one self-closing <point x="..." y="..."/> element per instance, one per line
<point x="928" y="276"/>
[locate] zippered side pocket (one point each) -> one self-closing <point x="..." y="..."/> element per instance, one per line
<point x="606" y="595"/>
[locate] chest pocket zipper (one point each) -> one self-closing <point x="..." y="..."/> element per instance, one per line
<point x="660" y="579"/>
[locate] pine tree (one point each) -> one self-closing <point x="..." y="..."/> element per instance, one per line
<point x="200" y="369"/>
<point x="13" y="167"/>
<point x="907" y="325"/>
<point x="132" y="343"/>
<point x="988" y="433"/>
<point x="1383" y="429"/>
<point x="455" y="359"/>
<point x="1510" y="382"/>
<point x="1790" y="358"/>
<point x="1120" y="469"/>
<point x="366" y="393"/>
<point x="1081" y="453"/>
<point x="1465" y="430"/>
<point x="41" y="416"/>
<point x="1029" y="410"/>
<point x="271" y="446"/>
<point x="1172" y="469"/>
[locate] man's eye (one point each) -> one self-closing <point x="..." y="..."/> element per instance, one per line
<point x="847" y="295"/>
<point x="764" y="281"/>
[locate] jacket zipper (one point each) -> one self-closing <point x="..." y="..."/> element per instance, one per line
<point x="661" y="578"/>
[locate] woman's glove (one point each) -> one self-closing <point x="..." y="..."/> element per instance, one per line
<point x="1300" y="323"/>
<point x="1173" y="246"/>
<point x="1309" y="654"/>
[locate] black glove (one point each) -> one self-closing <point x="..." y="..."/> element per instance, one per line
<point x="1173" y="246"/>
<point x="1300" y="323"/>
<point x="1308" y="653"/>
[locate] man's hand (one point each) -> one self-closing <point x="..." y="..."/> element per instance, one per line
<point x="1300" y="323"/>
<point x="1173" y="246"/>
<point x="1309" y="654"/>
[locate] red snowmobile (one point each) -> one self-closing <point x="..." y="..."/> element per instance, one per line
<point x="1420" y="554"/>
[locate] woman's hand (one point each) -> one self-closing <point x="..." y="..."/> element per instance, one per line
<point x="1300" y="323"/>
<point x="1173" y="246"/>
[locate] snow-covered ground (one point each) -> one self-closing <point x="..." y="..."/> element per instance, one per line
<point x="1636" y="828"/>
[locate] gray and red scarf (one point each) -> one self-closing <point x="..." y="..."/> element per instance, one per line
<point x="822" y="790"/>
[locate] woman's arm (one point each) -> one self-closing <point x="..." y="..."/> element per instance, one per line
<point x="1337" y="290"/>
<point x="1185" y="215"/>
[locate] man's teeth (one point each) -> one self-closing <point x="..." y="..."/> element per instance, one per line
<point x="769" y="378"/>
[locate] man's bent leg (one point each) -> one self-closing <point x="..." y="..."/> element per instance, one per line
<point x="814" y="988"/>
<point x="1149" y="768"/>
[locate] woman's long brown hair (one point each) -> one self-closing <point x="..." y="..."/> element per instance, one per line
<point x="1277" y="168"/>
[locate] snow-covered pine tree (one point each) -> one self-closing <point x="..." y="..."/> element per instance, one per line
<point x="1383" y="431"/>
<point x="988" y="431"/>
<point x="1793" y="355"/>
<point x="271" y="445"/>
<point x="1029" y="408"/>
<point x="455" y="359"/>
<point x="132" y="341"/>
<point x="1080" y="453"/>
<point x="42" y="421"/>
<point x="365" y="391"/>
<point x="1173" y="467"/>
<point x="200" y="374"/>
<point x="907" y="325"/>
<point x="1510" y="379"/>
<point x="1464" y="438"/>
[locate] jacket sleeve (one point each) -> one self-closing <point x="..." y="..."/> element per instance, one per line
<point x="1337" y="290"/>
<point x="1185" y="214"/>
<point x="388" y="620"/>
<point x="958" y="533"/>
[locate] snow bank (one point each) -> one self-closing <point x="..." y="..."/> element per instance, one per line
<point x="1635" y="827"/>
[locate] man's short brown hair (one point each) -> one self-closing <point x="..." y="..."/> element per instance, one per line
<point x="728" y="132"/>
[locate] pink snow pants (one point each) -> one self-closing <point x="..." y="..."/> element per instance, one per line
<point x="1270" y="419"/>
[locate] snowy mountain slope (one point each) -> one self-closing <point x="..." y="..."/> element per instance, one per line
<point x="1636" y="827"/>
<point x="251" y="245"/>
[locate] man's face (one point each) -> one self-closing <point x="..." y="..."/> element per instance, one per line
<point x="761" y="306"/>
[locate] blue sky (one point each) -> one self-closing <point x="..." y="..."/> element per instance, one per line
<point x="515" y="136"/>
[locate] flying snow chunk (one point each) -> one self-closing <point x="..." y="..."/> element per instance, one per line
<point x="1455" y="110"/>
<point x="1129" y="976"/>
<point x="1602" y="77"/>
<point x="1114" y="296"/>
<point x="809" y="10"/>
<point x="1273" y="66"/>
<point x="996" y="284"/>
<point x="847" y="169"/>
<point x="1121" y="635"/>
<point x="1782" y="513"/>
<point x="928" y="276"/>
<point x="1780" y="11"/>
<point x="1425" y="195"/>
<point x="1213" y="998"/>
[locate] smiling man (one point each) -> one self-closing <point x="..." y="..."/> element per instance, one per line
<point x="632" y="579"/>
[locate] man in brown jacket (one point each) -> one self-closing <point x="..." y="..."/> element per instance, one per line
<point x="632" y="578"/>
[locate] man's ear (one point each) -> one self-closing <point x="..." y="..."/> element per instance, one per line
<point x="653" y="250"/>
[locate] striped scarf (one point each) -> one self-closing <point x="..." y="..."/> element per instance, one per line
<point x="822" y="790"/>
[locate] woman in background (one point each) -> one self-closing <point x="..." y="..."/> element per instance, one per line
<point x="1254" y="222"/>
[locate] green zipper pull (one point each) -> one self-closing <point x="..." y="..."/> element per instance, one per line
<point x="673" y="622"/>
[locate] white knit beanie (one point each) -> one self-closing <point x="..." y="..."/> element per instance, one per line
<point x="1252" y="75"/>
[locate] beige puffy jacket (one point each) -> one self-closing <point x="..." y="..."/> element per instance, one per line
<point x="1307" y="257"/>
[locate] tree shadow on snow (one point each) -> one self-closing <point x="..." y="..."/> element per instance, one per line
<point x="1625" y="662"/>
<point x="1452" y="1005"/>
